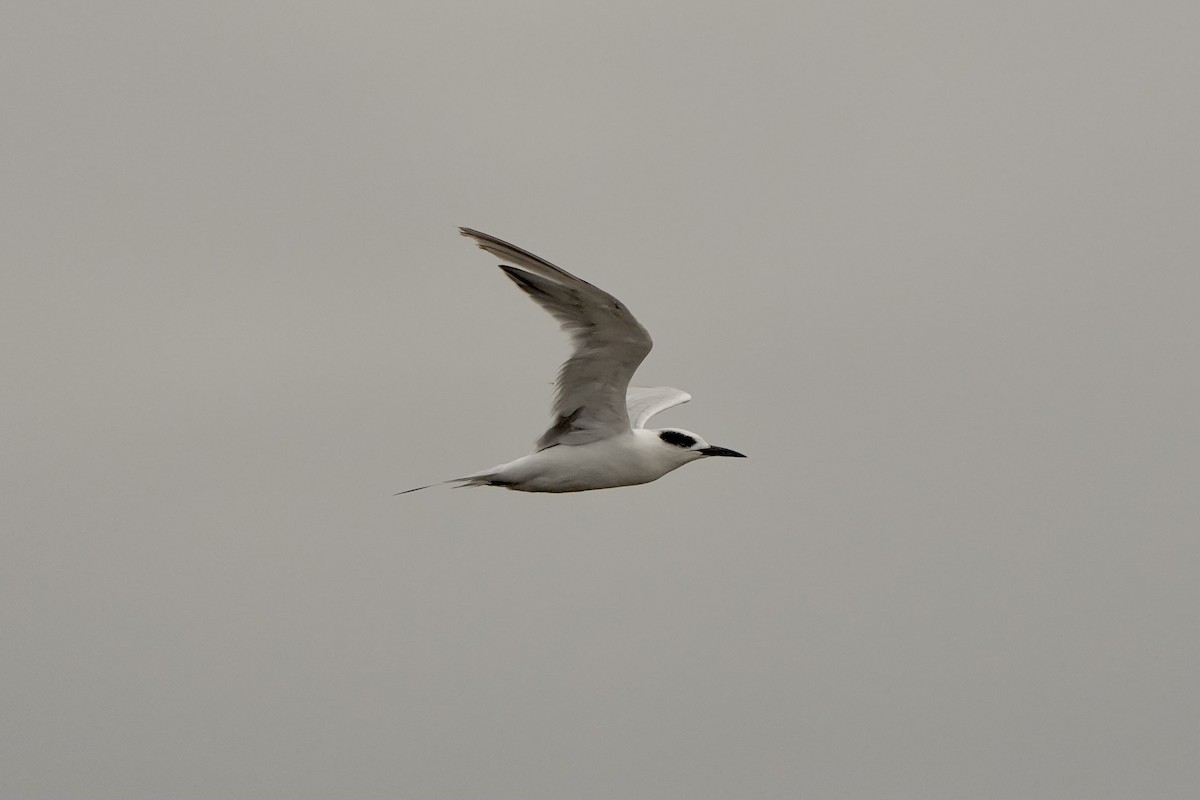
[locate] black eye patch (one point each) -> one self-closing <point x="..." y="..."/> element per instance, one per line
<point x="678" y="439"/>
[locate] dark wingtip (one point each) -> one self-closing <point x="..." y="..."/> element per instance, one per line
<point x="481" y="238"/>
<point x="523" y="279"/>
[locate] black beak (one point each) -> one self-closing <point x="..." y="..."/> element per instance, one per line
<point x="720" y="451"/>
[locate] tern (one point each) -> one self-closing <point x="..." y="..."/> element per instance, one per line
<point x="599" y="438"/>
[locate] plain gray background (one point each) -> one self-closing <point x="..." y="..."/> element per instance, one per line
<point x="934" y="266"/>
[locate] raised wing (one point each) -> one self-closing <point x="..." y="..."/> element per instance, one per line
<point x="589" y="401"/>
<point x="644" y="402"/>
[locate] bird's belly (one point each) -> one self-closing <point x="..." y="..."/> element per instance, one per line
<point x="565" y="468"/>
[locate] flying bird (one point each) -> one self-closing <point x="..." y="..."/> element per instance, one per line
<point x="598" y="439"/>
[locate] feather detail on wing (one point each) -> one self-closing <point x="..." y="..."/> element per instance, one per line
<point x="609" y="344"/>
<point x="644" y="402"/>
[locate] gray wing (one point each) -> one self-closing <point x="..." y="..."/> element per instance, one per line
<point x="589" y="401"/>
<point x="644" y="402"/>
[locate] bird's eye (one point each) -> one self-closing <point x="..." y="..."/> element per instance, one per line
<point x="678" y="439"/>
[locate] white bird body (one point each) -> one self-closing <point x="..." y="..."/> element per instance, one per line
<point x="598" y="439"/>
<point x="637" y="456"/>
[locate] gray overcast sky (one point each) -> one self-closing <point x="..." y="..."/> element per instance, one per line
<point x="934" y="266"/>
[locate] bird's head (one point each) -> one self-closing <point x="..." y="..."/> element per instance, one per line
<point x="687" y="446"/>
